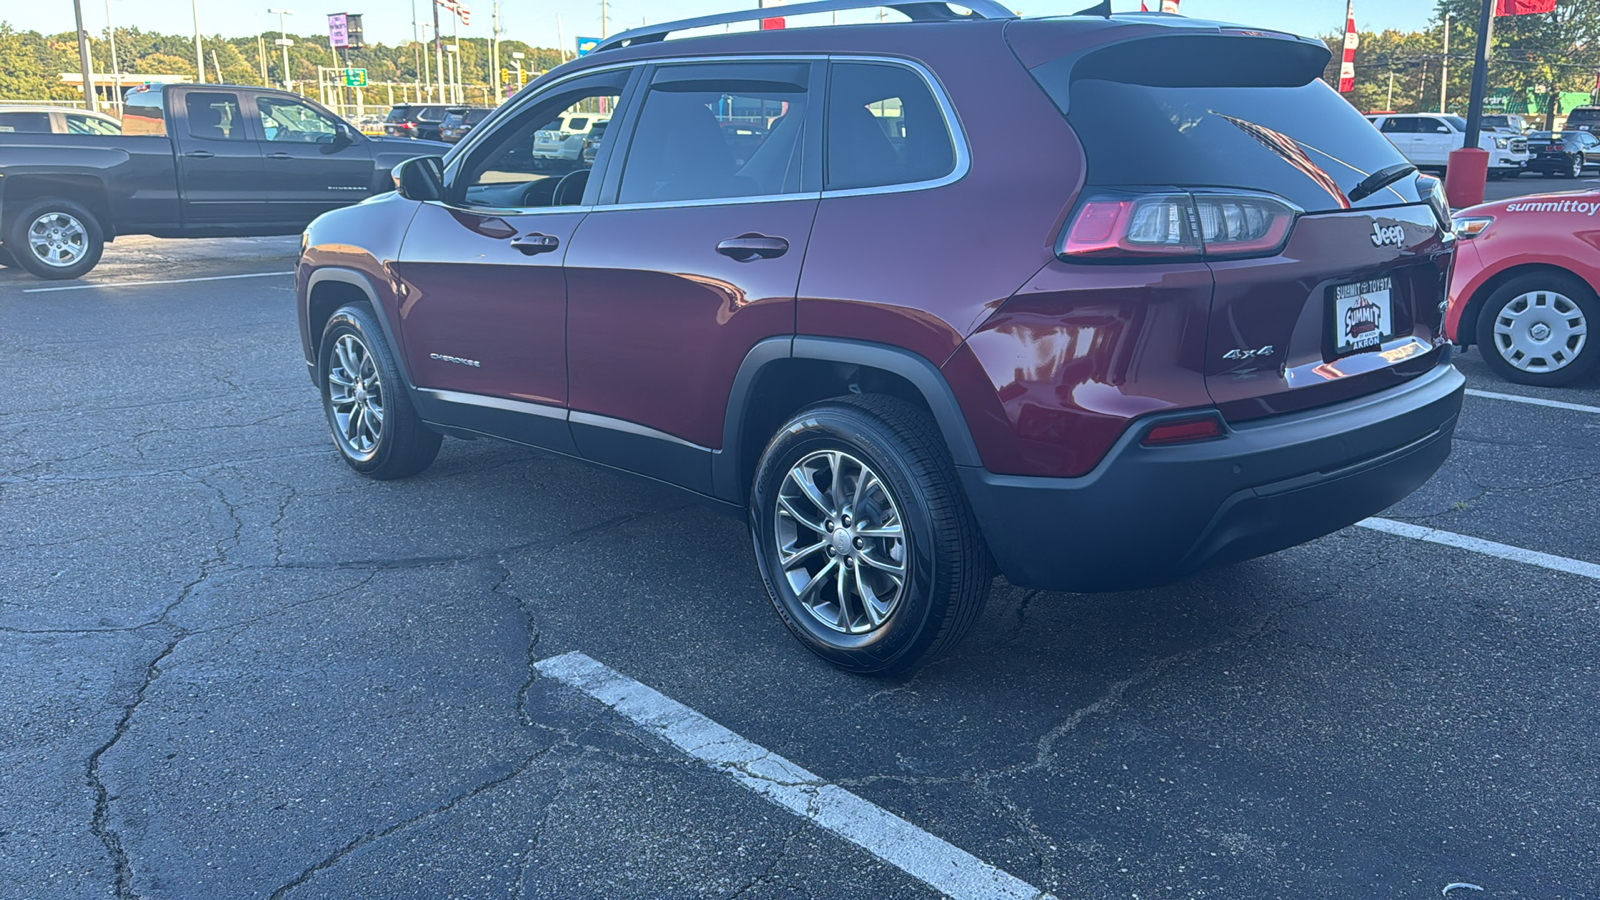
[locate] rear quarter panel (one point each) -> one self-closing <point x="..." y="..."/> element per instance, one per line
<point x="135" y="173"/>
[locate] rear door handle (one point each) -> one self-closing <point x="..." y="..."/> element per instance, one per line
<point x="279" y="155"/>
<point x="531" y="244"/>
<point x="199" y="154"/>
<point x="751" y="245"/>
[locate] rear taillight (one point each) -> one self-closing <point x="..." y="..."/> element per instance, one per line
<point x="1177" y="225"/>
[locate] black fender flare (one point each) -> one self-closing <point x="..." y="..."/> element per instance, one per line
<point x="923" y="375"/>
<point x="359" y="281"/>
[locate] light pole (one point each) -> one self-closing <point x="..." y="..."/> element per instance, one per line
<point x="89" y="99"/>
<point x="284" y="42"/>
<point x="455" y="71"/>
<point x="199" y="56"/>
<point x="116" y="68"/>
<point x="517" y="57"/>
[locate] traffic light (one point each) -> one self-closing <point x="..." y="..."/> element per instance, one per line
<point x="353" y="28"/>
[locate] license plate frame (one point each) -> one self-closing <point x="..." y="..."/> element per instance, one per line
<point x="1361" y="315"/>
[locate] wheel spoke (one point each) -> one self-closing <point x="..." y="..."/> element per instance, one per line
<point x="790" y="558"/>
<point x="892" y="568"/>
<point x="886" y="531"/>
<point x="811" y="492"/>
<point x="788" y="509"/>
<point x="819" y="578"/>
<point x="841" y="587"/>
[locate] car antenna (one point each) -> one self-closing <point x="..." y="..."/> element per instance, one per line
<point x="1103" y="8"/>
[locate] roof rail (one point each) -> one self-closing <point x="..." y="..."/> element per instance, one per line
<point x="923" y="11"/>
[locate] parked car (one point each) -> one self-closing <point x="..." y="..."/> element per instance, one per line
<point x="193" y="160"/>
<point x="1565" y="153"/>
<point x="561" y="144"/>
<point x="416" y="120"/>
<point x="1584" y="118"/>
<point x="1426" y="139"/>
<point x="592" y="142"/>
<point x="1512" y="123"/>
<point x="1524" y="286"/>
<point x="943" y="322"/>
<point x="55" y="120"/>
<point x="460" y="120"/>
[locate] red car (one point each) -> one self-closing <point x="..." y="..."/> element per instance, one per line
<point x="1524" y="285"/>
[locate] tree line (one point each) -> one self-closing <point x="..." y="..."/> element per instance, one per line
<point x="31" y="63"/>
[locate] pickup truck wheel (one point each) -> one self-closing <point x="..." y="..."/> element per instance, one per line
<point x="1534" y="329"/>
<point x="865" y="541"/>
<point x="369" y="413"/>
<point x="55" y="239"/>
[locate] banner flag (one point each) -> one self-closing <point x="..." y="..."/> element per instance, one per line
<point x="1523" y="7"/>
<point x="1347" y="68"/>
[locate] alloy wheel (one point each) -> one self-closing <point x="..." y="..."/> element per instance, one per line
<point x="58" y="239"/>
<point x="841" y="542"/>
<point x="1540" y="332"/>
<point x="355" y="396"/>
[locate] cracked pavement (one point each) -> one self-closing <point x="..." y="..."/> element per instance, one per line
<point x="232" y="668"/>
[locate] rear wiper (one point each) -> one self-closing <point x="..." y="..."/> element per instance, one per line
<point x="1380" y="179"/>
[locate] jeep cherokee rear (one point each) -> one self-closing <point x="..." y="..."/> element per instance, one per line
<point x="1094" y="301"/>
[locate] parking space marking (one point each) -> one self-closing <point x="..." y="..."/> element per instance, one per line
<point x="1479" y="545"/>
<point x="932" y="860"/>
<point x="1534" y="401"/>
<point x="118" y="284"/>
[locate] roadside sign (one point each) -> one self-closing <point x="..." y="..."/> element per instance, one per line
<point x="338" y="30"/>
<point x="355" y="77"/>
<point x="586" y="45"/>
<point x="283" y="42"/>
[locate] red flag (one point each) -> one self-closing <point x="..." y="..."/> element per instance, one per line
<point x="1142" y="7"/>
<point x="1523" y="7"/>
<point x="1169" y="6"/>
<point x="1347" y="68"/>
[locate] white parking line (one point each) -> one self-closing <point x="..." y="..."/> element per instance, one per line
<point x="943" y="866"/>
<point x="1479" y="545"/>
<point x="1534" y="401"/>
<point x="81" y="287"/>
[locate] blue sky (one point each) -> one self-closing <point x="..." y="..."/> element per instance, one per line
<point x="535" y="21"/>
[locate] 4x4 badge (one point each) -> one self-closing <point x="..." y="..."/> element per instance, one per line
<point x="1247" y="353"/>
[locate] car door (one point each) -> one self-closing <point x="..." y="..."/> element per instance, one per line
<point x="691" y="258"/>
<point x="219" y="161"/>
<point x="484" y="308"/>
<point x="1402" y="133"/>
<point x="1434" y="141"/>
<point x="313" y="162"/>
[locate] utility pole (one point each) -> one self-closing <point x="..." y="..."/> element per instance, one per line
<point x="1469" y="166"/>
<point x="261" y="56"/>
<point x="199" y="55"/>
<point x="438" y="50"/>
<point x="116" y="68"/>
<point x="494" y="56"/>
<point x="284" y="42"/>
<point x="90" y="99"/>
<point x="1389" y="104"/>
<point x="1444" y="73"/>
<point x="1480" y="74"/>
<point x="602" y="20"/>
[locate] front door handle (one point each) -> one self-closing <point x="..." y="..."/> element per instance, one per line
<point x="751" y="245"/>
<point x="279" y="155"/>
<point x="531" y="244"/>
<point x="199" y="154"/>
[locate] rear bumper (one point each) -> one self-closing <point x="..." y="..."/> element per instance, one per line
<point x="1148" y="515"/>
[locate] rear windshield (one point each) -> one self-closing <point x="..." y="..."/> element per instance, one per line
<point x="398" y="114"/>
<point x="1584" y="115"/>
<point x="1303" y="143"/>
<point x="474" y="116"/>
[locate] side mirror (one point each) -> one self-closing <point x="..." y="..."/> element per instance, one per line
<point x="343" y="133"/>
<point x="420" y="178"/>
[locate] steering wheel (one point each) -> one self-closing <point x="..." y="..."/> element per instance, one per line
<point x="539" y="193"/>
<point x="569" y="191"/>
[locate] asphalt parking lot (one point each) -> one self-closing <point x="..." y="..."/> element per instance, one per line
<point x="233" y="668"/>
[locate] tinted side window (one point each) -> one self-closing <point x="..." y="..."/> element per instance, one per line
<point x="1392" y="125"/>
<point x="141" y="113"/>
<point x="27" y="122"/>
<point x="214" y="116"/>
<point x="884" y="128"/>
<point x="89" y="125"/>
<point x="1432" y="126"/>
<point x="283" y="119"/>
<point x="685" y="146"/>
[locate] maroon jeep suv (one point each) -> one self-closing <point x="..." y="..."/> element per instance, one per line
<point x="1088" y="301"/>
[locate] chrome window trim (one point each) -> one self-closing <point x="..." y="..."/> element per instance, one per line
<point x="958" y="135"/>
<point x="952" y="122"/>
<point x="547" y="411"/>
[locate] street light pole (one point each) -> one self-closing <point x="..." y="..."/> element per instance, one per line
<point x="1469" y="165"/>
<point x="1444" y="72"/>
<point x="1480" y="74"/>
<point x="116" y="68"/>
<point x="90" y="100"/>
<point x="283" y="41"/>
<point x="199" y="56"/>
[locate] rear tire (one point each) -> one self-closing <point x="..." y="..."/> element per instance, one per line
<point x="369" y="411"/>
<point x="55" y="239"/>
<point x="1536" y="329"/>
<point x="858" y="498"/>
<point x="1576" y="169"/>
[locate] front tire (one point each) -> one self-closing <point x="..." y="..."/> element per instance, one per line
<point x="55" y="239"/>
<point x="373" y="423"/>
<point x="1534" y="329"/>
<point x="868" y="548"/>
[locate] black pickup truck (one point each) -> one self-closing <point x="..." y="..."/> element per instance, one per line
<point x="193" y="160"/>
